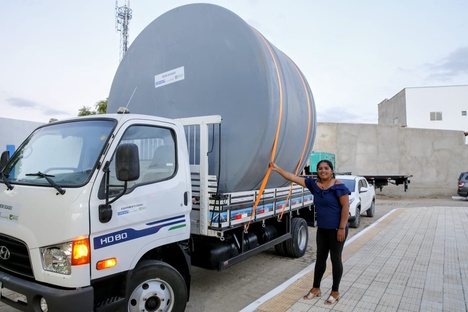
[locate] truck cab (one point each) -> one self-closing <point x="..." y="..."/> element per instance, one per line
<point x="83" y="202"/>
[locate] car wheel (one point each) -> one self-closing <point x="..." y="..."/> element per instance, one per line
<point x="357" y="219"/>
<point x="371" y="210"/>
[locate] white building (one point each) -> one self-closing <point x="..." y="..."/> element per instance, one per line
<point x="442" y="108"/>
<point x="14" y="131"/>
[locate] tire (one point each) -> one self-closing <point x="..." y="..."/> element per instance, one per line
<point x="357" y="219"/>
<point x="371" y="210"/>
<point x="280" y="249"/>
<point x="296" y="246"/>
<point x="156" y="286"/>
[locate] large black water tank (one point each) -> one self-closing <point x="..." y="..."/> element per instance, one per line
<point x="202" y="59"/>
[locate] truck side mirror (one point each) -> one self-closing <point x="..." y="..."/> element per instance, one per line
<point x="4" y="159"/>
<point x="127" y="163"/>
<point x="127" y="168"/>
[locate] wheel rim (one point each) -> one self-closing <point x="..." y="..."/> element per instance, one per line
<point x="302" y="238"/>
<point x="151" y="295"/>
<point x="358" y="216"/>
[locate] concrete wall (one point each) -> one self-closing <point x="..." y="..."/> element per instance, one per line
<point x="393" y="111"/>
<point x="14" y="131"/>
<point x="435" y="158"/>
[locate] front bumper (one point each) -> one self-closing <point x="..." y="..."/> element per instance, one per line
<point x="70" y="300"/>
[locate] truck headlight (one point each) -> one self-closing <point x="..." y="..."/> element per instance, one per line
<point x="57" y="258"/>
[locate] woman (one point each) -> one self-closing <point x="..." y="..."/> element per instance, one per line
<point x="331" y="200"/>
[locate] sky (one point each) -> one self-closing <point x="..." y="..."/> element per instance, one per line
<point x="58" y="56"/>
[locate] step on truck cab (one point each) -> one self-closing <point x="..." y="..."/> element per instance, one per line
<point x="108" y="212"/>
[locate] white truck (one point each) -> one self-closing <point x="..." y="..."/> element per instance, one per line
<point x="109" y="212"/>
<point x="361" y="200"/>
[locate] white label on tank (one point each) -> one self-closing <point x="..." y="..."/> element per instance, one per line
<point x="168" y="77"/>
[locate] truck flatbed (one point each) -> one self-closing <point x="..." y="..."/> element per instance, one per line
<point x="379" y="181"/>
<point x="236" y="208"/>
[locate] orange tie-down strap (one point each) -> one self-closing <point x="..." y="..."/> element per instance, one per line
<point x="278" y="128"/>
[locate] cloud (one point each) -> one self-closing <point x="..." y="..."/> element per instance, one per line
<point x="340" y="115"/>
<point x="452" y="66"/>
<point x="31" y="105"/>
<point x="22" y="103"/>
<point x="52" y="111"/>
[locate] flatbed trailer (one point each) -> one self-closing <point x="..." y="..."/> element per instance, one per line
<point x="379" y="181"/>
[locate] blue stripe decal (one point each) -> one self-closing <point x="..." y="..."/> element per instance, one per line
<point x="168" y="219"/>
<point x="131" y="234"/>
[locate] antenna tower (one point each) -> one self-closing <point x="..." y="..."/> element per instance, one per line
<point x="123" y="15"/>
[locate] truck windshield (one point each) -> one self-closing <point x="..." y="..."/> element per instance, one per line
<point x="60" y="155"/>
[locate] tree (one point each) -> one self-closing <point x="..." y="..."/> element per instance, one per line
<point x="99" y="108"/>
<point x="85" y="111"/>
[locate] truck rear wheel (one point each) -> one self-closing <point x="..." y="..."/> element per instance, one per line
<point x="279" y="249"/>
<point x="296" y="246"/>
<point x="156" y="286"/>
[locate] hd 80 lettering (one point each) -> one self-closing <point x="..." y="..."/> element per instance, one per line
<point x="115" y="238"/>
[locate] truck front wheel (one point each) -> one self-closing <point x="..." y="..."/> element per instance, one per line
<point x="156" y="286"/>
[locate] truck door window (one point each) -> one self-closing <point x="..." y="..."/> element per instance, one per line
<point x="157" y="154"/>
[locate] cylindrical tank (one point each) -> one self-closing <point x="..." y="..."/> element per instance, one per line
<point x="202" y="59"/>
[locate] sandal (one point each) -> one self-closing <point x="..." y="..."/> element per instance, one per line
<point x="312" y="295"/>
<point x="332" y="300"/>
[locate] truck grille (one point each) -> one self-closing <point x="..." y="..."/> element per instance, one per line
<point x="14" y="256"/>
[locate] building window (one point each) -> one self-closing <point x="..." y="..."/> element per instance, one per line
<point x="436" y="116"/>
<point x="463" y="113"/>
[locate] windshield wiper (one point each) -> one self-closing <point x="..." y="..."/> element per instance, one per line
<point x="48" y="178"/>
<point x="6" y="181"/>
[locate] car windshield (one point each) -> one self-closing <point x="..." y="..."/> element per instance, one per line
<point x="61" y="154"/>
<point x="349" y="184"/>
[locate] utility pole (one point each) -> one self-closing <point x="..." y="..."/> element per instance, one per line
<point x="123" y="15"/>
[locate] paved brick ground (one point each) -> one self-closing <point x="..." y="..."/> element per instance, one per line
<point x="414" y="259"/>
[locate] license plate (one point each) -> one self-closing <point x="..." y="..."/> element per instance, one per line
<point x="12" y="295"/>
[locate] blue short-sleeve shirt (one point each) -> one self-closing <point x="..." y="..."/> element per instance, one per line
<point x="327" y="203"/>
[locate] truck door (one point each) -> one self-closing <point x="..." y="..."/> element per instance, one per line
<point x="154" y="209"/>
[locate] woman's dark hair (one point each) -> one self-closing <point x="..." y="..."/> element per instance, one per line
<point x="329" y="163"/>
